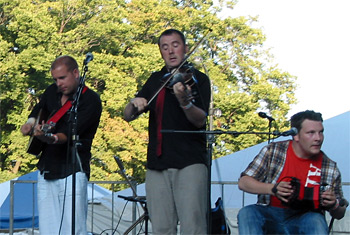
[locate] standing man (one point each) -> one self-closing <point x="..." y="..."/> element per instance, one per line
<point x="55" y="163"/>
<point x="177" y="174"/>
<point x="296" y="183"/>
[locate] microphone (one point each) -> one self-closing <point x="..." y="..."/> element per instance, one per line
<point x="293" y="131"/>
<point x="264" y="115"/>
<point x="89" y="57"/>
<point x="120" y="163"/>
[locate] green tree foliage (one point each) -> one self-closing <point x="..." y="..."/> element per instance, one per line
<point x="123" y="38"/>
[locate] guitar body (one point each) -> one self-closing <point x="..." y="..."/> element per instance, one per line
<point x="35" y="145"/>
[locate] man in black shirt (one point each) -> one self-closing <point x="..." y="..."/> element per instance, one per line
<point x="176" y="177"/>
<point x="55" y="163"/>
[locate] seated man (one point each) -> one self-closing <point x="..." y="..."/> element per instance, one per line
<point x="295" y="182"/>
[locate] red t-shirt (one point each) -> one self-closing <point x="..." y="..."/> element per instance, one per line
<point x="308" y="171"/>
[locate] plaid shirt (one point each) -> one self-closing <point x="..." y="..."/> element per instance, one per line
<point x="267" y="167"/>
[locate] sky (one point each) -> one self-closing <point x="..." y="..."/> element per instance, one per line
<point x="310" y="39"/>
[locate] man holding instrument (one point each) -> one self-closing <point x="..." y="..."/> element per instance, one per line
<point x="176" y="177"/>
<point x="296" y="183"/>
<point x="55" y="163"/>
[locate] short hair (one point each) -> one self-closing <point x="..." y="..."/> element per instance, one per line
<point x="67" y="60"/>
<point x="297" y="119"/>
<point x="171" y="31"/>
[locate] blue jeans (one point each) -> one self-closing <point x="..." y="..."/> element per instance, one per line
<point x="258" y="219"/>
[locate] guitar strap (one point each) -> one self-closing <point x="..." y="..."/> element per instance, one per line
<point x="57" y="116"/>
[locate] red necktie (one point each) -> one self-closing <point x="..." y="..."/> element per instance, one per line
<point x="159" y="117"/>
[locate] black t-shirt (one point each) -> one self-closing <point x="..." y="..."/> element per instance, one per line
<point x="178" y="149"/>
<point x="53" y="160"/>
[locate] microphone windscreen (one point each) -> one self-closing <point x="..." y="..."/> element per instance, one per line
<point x="262" y="115"/>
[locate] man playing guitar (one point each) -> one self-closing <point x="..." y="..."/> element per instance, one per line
<point x="55" y="162"/>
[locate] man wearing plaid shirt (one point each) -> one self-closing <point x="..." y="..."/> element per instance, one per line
<point x="296" y="183"/>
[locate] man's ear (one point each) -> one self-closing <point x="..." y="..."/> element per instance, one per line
<point x="296" y="137"/>
<point x="186" y="49"/>
<point x="76" y="73"/>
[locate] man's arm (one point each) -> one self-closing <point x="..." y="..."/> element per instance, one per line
<point x="28" y="127"/>
<point x="250" y="185"/>
<point x="58" y="138"/>
<point x="338" y="211"/>
<point x="335" y="206"/>
<point x="194" y="114"/>
<point x="282" y="190"/>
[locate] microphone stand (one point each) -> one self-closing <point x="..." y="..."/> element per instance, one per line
<point x="270" y="125"/>
<point x="211" y="141"/>
<point x="73" y="123"/>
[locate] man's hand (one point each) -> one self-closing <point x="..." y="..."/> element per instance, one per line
<point x="134" y="108"/>
<point x="283" y="191"/>
<point x="26" y="129"/>
<point x="182" y="93"/>
<point x="328" y="200"/>
<point x="41" y="135"/>
<point x="139" y="103"/>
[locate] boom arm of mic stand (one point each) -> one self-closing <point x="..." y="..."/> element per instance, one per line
<point x="216" y="132"/>
<point x="126" y="177"/>
<point x="129" y="182"/>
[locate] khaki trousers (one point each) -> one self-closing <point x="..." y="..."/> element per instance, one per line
<point x="178" y="195"/>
